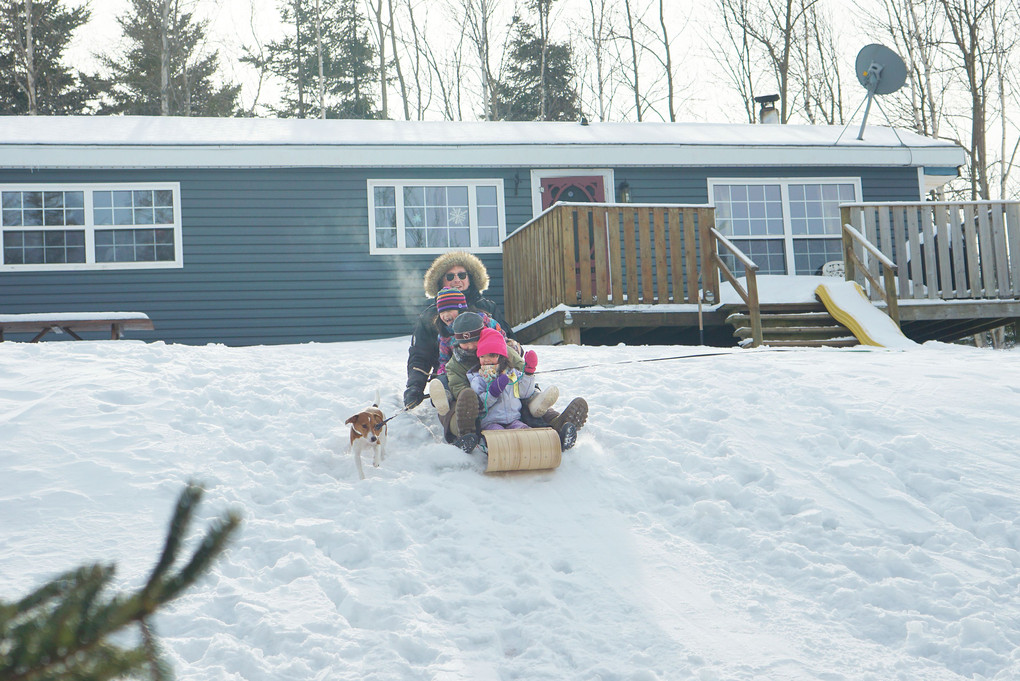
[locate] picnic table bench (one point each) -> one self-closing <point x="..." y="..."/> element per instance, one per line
<point x="73" y="323"/>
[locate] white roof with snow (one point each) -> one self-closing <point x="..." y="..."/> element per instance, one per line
<point x="145" y="141"/>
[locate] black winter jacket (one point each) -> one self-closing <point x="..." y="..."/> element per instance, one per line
<point x="423" y="355"/>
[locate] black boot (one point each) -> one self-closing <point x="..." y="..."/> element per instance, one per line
<point x="467" y="442"/>
<point x="575" y="413"/>
<point x="568" y="436"/>
<point x="465" y="413"/>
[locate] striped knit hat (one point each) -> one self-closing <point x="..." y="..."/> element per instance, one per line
<point x="450" y="299"/>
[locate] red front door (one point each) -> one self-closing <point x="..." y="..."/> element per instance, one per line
<point x="587" y="189"/>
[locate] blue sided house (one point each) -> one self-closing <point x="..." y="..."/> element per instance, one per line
<point x="257" y="231"/>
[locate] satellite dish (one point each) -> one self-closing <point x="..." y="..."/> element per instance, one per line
<point x="881" y="72"/>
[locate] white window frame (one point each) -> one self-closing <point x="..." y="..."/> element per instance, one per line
<point x="537" y="175"/>
<point x="90" y="227"/>
<point x="784" y="183"/>
<point x="472" y="185"/>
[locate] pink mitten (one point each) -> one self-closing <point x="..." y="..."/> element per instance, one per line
<point x="530" y="362"/>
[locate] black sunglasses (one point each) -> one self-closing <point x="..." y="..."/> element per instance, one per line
<point x="458" y="275"/>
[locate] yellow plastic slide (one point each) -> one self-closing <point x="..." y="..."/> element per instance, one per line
<point x="846" y="302"/>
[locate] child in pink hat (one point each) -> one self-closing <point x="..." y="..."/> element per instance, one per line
<point x="499" y="386"/>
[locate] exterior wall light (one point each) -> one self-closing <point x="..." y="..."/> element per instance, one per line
<point x="624" y="191"/>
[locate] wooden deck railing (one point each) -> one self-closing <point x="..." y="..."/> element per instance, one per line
<point x="748" y="295"/>
<point x="607" y="254"/>
<point x="854" y="241"/>
<point x="943" y="250"/>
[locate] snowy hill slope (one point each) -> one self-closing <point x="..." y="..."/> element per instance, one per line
<point x="814" y="514"/>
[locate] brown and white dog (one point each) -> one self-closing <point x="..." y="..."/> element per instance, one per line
<point x="368" y="431"/>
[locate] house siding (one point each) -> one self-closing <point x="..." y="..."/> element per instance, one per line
<point x="281" y="255"/>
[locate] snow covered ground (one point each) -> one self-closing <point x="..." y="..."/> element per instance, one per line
<point x="809" y="514"/>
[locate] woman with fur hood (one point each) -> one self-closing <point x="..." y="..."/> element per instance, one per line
<point x="455" y="269"/>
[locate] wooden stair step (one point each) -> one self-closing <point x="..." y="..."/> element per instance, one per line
<point x="797" y="331"/>
<point x="781" y="319"/>
<point x="829" y="342"/>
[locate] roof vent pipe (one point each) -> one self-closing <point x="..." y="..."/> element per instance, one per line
<point x="768" y="114"/>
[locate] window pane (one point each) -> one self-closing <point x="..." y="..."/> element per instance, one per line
<point x="385" y="218"/>
<point x="143" y="197"/>
<point x="435" y="217"/>
<point x="53" y="199"/>
<point x="488" y="237"/>
<point x="53" y="217"/>
<point x="386" y="238"/>
<point x="122" y="199"/>
<point x="32" y="199"/>
<point x="457" y="216"/>
<point x="810" y="254"/>
<point x="413" y="217"/>
<point x="414" y="196"/>
<point x="123" y="216"/>
<point x="437" y="238"/>
<point x="486" y="196"/>
<point x="12" y="199"/>
<point x="102" y="199"/>
<point x="457" y="196"/>
<point x="143" y="216"/>
<point x="163" y="197"/>
<point x="12" y="218"/>
<point x="103" y="216"/>
<point x="164" y="216"/>
<point x="74" y="217"/>
<point x="460" y="237"/>
<point x="33" y="218"/>
<point x="414" y="238"/>
<point x="488" y="217"/>
<point x="385" y="196"/>
<point x="435" y="196"/>
<point x="74" y="199"/>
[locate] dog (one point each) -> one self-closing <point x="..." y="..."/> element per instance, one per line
<point x="368" y="431"/>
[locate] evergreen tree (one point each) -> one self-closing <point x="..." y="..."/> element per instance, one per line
<point x="349" y="72"/>
<point x="62" y="630"/>
<point x="519" y="92"/>
<point x="162" y="71"/>
<point x="36" y="81"/>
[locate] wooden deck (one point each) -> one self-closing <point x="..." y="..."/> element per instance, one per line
<point x="611" y="273"/>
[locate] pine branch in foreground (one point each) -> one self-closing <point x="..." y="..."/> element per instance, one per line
<point x="61" y="630"/>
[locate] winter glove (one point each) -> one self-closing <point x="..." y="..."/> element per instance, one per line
<point x="498" y="385"/>
<point x="413" y="397"/>
<point x="530" y="362"/>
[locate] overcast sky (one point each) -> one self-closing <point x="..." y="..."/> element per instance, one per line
<point x="236" y="23"/>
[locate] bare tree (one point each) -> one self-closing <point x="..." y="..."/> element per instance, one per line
<point x="319" y="59"/>
<point x="817" y="72"/>
<point x="970" y="21"/>
<point x="420" y="71"/>
<point x="22" y="20"/>
<point x="635" y="82"/>
<point x="477" y="18"/>
<point x="598" y="35"/>
<point x="376" y="7"/>
<point x="770" y="30"/>
<point x="396" y="62"/>
<point x="668" y="63"/>
<point x="916" y="28"/>
<point x="735" y="53"/>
